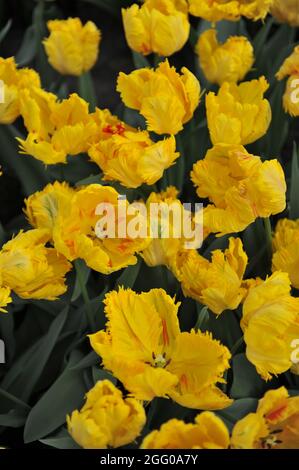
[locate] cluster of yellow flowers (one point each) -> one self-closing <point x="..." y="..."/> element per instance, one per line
<point x="142" y="344"/>
<point x="109" y="420"/>
<point x="162" y="26"/>
<point x="69" y="217"/>
<point x="14" y="82"/>
<point x="31" y="269"/>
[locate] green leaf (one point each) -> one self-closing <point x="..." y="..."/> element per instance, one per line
<point x="28" y="49"/>
<point x="30" y="172"/>
<point x="246" y="381"/>
<point x="60" y="443"/>
<point x="100" y="374"/>
<point x="46" y="72"/>
<point x="237" y="411"/>
<point x="13" y="375"/>
<point x="5" y="30"/>
<point x="140" y="61"/>
<point x="162" y="410"/>
<point x="261" y="37"/>
<point x="176" y="173"/>
<point x="87" y="91"/>
<point x="85" y="295"/>
<point x="38" y="361"/>
<point x="219" y="243"/>
<point x="91" y="180"/>
<point x="91" y="359"/>
<point x="193" y="37"/>
<point x="188" y="314"/>
<point x="64" y="396"/>
<point x="225" y="327"/>
<point x="273" y="51"/>
<point x="14" y="399"/>
<point x="61" y="440"/>
<point x="278" y="130"/>
<point x="294" y="191"/>
<point x="14" y="419"/>
<point x="155" y="277"/>
<point x="96" y="312"/>
<point x="225" y="29"/>
<point x="203" y="316"/>
<point x="25" y="373"/>
<point x="84" y="273"/>
<point x="129" y="275"/>
<point x="254" y="243"/>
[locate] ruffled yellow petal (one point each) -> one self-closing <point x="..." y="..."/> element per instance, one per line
<point x="166" y="99"/>
<point x="72" y="48"/>
<point x="227" y="62"/>
<point x="107" y="419"/>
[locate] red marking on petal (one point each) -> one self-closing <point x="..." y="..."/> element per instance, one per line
<point x="118" y="129"/>
<point x="273" y="415"/>
<point x="165" y="333"/>
<point x="184" y="380"/>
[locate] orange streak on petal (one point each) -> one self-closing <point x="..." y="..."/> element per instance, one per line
<point x="273" y="415"/>
<point x="165" y="333"/>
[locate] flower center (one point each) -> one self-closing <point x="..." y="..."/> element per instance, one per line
<point x="159" y="360"/>
<point x="272" y="440"/>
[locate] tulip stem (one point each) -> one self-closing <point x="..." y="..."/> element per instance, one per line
<point x="157" y="60"/>
<point x="86" y="90"/>
<point x="268" y="231"/>
<point x="85" y="296"/>
<point x="203" y="316"/>
<point x="237" y="346"/>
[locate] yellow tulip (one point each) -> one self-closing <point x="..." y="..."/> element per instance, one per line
<point x="240" y="186"/>
<point x="32" y="270"/>
<point x="274" y="425"/>
<point x="163" y="251"/>
<point x="286" y="11"/>
<point x="232" y="10"/>
<point x="166" y="99"/>
<point x="72" y="48"/>
<point x="70" y="218"/>
<point x="227" y="62"/>
<point x="43" y="207"/>
<point x="14" y="81"/>
<point x="106" y="419"/>
<point x="159" y="26"/>
<point x="129" y="155"/>
<point x="217" y="283"/>
<point x="270" y="323"/>
<point x="290" y="69"/>
<point x="145" y="349"/>
<point x="208" y="432"/>
<point x="238" y="114"/>
<point x="285" y="244"/>
<point x="5" y="298"/>
<point x="55" y="129"/>
<point x="290" y="66"/>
